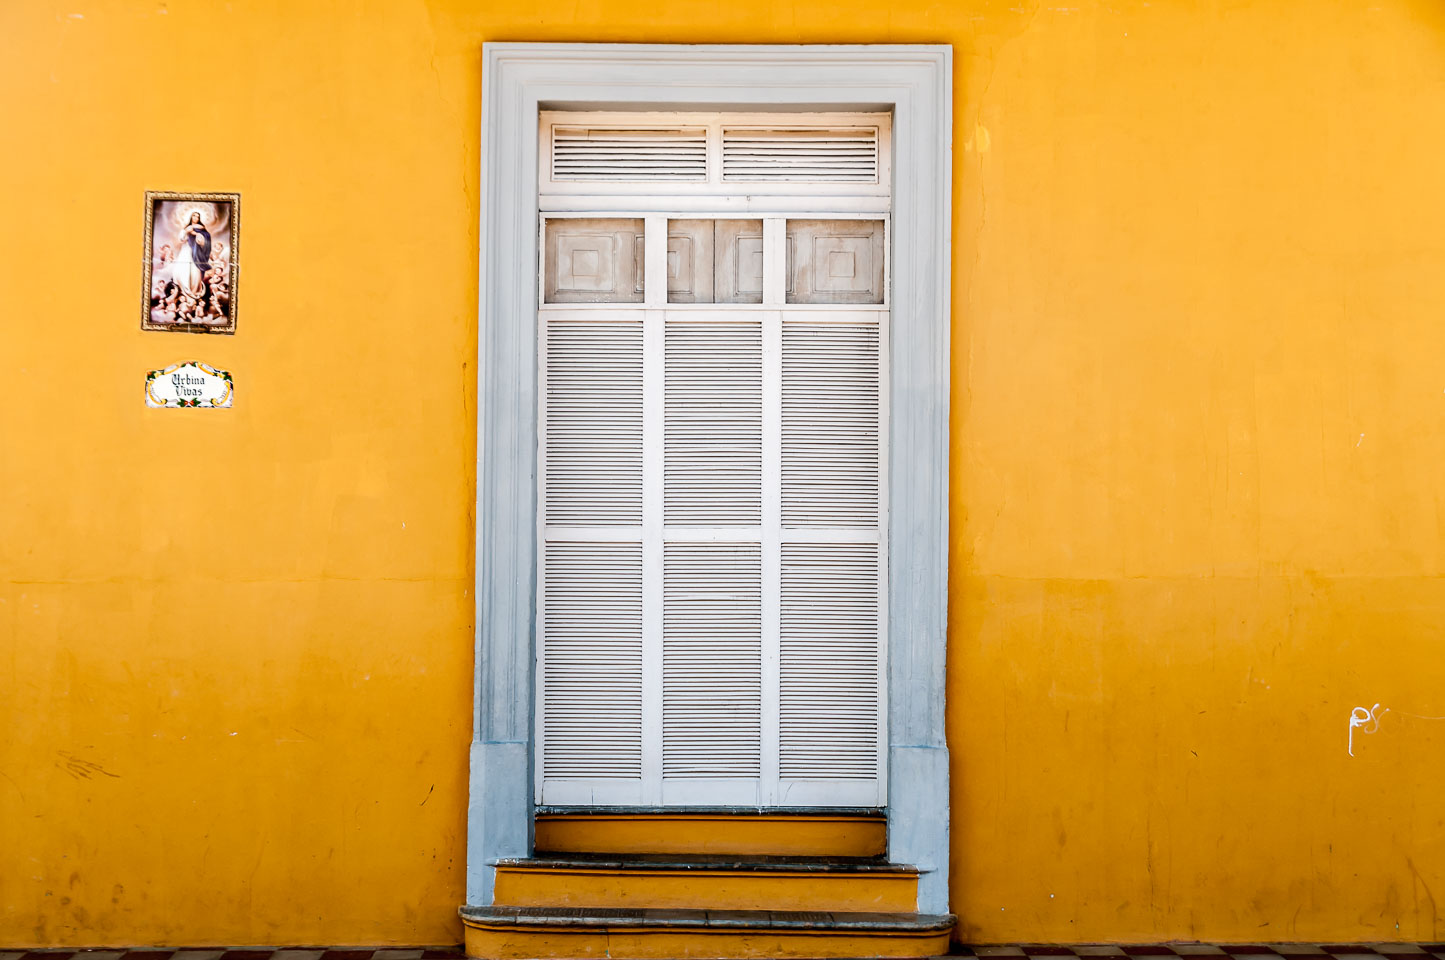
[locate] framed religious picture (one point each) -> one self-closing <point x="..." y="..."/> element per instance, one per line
<point x="192" y="246"/>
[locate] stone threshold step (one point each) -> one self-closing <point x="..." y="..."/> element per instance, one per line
<point x="609" y="917"/>
<point x="832" y="813"/>
<point x="706" y="863"/>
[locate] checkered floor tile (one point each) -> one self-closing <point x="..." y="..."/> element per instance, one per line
<point x="253" y="953"/>
<point x="1251" y="951"/>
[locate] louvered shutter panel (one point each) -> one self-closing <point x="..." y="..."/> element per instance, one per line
<point x="713" y="430"/>
<point x="592" y="667"/>
<point x="594" y="422"/>
<point x="829" y="661"/>
<point x="712" y="590"/>
<point x="591" y="590"/>
<point x="712" y="660"/>
<point x="830" y="630"/>
<point x="713" y="626"/>
<point x="591" y="154"/>
<point x="831" y="424"/>
<point x="840" y="156"/>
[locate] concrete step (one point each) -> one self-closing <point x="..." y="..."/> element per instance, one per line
<point x="709" y="883"/>
<point x="515" y="933"/>
<point x="704" y="832"/>
<point x="718" y="832"/>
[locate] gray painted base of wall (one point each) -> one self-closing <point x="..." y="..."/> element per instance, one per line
<point x="499" y="811"/>
<point x="918" y="819"/>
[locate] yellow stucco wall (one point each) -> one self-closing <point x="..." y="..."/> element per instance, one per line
<point x="1199" y="375"/>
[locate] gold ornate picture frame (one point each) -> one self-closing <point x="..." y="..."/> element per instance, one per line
<point x="191" y="262"/>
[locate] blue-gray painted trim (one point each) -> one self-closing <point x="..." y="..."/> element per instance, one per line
<point x="915" y="82"/>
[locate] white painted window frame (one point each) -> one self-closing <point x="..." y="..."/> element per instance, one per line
<point x="519" y="80"/>
<point x="654" y="203"/>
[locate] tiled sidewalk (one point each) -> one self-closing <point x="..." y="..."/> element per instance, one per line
<point x="279" y="953"/>
<point x="1259" y="951"/>
<point x="1253" y="951"/>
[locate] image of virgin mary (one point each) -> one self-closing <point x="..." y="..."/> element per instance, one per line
<point x="192" y="259"/>
<point x="190" y="271"/>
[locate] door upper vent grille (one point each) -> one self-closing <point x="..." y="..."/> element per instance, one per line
<point x="585" y="153"/>
<point x="847" y="155"/>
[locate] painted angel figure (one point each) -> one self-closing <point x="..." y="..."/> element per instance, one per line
<point x="216" y="275"/>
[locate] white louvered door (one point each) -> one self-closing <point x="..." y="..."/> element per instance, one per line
<point x="712" y="492"/>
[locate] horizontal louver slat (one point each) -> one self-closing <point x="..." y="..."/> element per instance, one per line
<point x="600" y="154"/>
<point x="592" y="660"/>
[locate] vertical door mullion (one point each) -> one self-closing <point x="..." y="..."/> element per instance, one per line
<point x="775" y="261"/>
<point x="885" y="335"/>
<point x="772" y="330"/>
<point x="774" y="293"/>
<point x="654" y="320"/>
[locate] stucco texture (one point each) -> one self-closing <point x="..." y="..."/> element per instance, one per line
<point x="1198" y="392"/>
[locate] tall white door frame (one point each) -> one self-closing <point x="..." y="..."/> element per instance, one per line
<point x="519" y="80"/>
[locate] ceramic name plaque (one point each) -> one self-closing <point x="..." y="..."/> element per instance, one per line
<point x="189" y="384"/>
